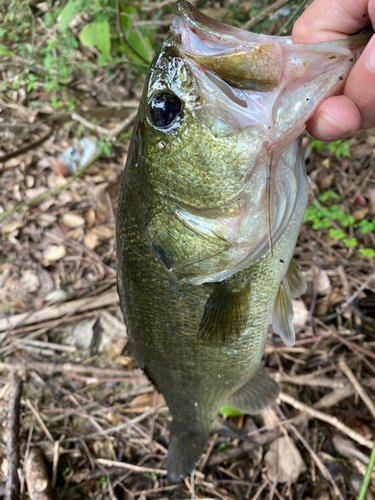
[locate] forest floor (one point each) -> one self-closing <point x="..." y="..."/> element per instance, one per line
<point x="100" y="426"/>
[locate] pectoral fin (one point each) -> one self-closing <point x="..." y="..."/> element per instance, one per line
<point x="257" y="394"/>
<point x="225" y="315"/>
<point x="283" y="315"/>
<point x="296" y="280"/>
<point x="178" y="245"/>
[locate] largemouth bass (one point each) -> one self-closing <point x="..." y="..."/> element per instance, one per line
<point x="212" y="200"/>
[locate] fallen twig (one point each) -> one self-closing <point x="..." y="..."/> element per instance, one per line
<point x="53" y="368"/>
<point x="89" y="125"/>
<point x="122" y="126"/>
<point x="254" y="21"/>
<point x="40" y="420"/>
<point x="13" y="483"/>
<point x="109" y="298"/>
<point x="135" y="468"/>
<point x="28" y="147"/>
<point x="37" y="479"/>
<point x="357" y="386"/>
<point x="292" y="17"/>
<point x="325" y="418"/>
<point x="122" y="426"/>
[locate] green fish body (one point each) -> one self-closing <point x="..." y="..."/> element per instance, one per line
<point x="200" y="278"/>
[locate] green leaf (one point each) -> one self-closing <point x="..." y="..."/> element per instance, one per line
<point x="87" y="35"/>
<point x="68" y="13"/>
<point x="141" y="44"/>
<point x="103" y="38"/>
<point x="6" y="52"/>
<point x="368" y="252"/>
<point x="97" y="34"/>
<point x="337" y="234"/>
<point x="350" y="242"/>
<point x="318" y="145"/>
<point x="222" y="446"/>
<point x="328" y="194"/>
<point x="65" y="472"/>
<point x="229" y="411"/>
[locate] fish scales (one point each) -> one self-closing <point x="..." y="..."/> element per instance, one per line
<point x="198" y="284"/>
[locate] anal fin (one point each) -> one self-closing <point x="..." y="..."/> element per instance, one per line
<point x="257" y="394"/>
<point x="296" y="280"/>
<point x="282" y="320"/>
<point x="225" y="315"/>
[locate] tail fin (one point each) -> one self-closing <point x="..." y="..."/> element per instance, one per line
<point x="184" y="451"/>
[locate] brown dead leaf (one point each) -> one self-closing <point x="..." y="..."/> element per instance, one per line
<point x="324" y="284"/>
<point x="54" y="253"/>
<point x="12" y="226"/>
<point x="360" y="214"/>
<point x="145" y="401"/>
<point x="76" y="233"/>
<point x="103" y="232"/>
<point x="284" y="462"/>
<point x="46" y="219"/>
<point x="300" y="314"/>
<point x="91" y="240"/>
<point x="89" y="216"/>
<point x="72" y="220"/>
<point x="35" y="192"/>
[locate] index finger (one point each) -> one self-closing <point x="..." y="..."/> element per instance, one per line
<point x="334" y="19"/>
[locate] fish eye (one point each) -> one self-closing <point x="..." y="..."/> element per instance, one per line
<point x="164" y="107"/>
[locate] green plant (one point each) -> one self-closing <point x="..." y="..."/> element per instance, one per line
<point x="339" y="224"/>
<point x="229" y="411"/>
<point x="338" y="148"/>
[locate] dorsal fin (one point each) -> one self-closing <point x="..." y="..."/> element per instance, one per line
<point x="283" y="315"/>
<point x="257" y="394"/>
<point x="296" y="280"/>
<point x="225" y="315"/>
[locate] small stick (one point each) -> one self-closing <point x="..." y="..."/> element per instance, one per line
<point x="208" y="452"/>
<point x="37" y="479"/>
<point x="12" y="491"/>
<point x="254" y="21"/>
<point x="39" y="419"/>
<point x="268" y="189"/>
<point x="292" y="17"/>
<point x="89" y="125"/>
<point x="357" y="292"/>
<point x="55" y="467"/>
<point x="317" y="460"/>
<point x="51" y="368"/>
<point x="135" y="468"/>
<point x="27" y="148"/>
<point x="123" y="426"/>
<point x="122" y="126"/>
<point x="357" y="386"/>
<point x="325" y="418"/>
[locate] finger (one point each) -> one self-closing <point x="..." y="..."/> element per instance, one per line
<point x="336" y="118"/>
<point x="334" y="19"/>
<point x="360" y="85"/>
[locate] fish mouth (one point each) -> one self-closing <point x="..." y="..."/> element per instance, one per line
<point x="241" y="59"/>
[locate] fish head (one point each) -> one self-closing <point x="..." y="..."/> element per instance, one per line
<point x="218" y="103"/>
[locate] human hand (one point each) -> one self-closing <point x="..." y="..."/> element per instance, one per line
<point x="342" y="115"/>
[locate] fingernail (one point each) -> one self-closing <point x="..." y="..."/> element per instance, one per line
<point x="329" y="128"/>
<point x="371" y="58"/>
